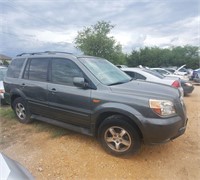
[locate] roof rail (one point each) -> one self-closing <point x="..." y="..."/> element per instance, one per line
<point x="45" y="52"/>
<point x="29" y="53"/>
<point x="54" y="52"/>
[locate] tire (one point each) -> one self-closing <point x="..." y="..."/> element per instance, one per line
<point x="21" y="110"/>
<point x="118" y="137"/>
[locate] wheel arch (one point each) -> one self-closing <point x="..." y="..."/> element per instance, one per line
<point x="14" y="95"/>
<point x="131" y="119"/>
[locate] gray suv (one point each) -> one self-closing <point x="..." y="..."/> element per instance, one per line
<point x="90" y="95"/>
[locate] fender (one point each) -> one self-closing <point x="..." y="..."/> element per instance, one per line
<point x="116" y="108"/>
<point x="17" y="92"/>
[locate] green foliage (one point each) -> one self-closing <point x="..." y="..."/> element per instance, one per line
<point x="95" y="41"/>
<point x="7" y="113"/>
<point x="5" y="63"/>
<point x="158" y="57"/>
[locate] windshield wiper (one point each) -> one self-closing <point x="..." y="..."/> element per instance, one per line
<point x="115" y="83"/>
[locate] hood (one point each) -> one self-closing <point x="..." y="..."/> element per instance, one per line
<point x="146" y="89"/>
<point x="181" y="67"/>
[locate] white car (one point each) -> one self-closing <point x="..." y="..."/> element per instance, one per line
<point x="181" y="71"/>
<point x="149" y="75"/>
<point x="12" y="170"/>
<point x="169" y="74"/>
<point x="2" y="74"/>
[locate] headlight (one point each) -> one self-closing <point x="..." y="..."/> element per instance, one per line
<point x="162" y="107"/>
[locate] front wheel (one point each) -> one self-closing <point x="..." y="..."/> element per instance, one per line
<point x="21" y="110"/>
<point x="118" y="137"/>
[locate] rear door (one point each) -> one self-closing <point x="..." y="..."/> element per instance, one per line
<point x="67" y="102"/>
<point x="34" y="85"/>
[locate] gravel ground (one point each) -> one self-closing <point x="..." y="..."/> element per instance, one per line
<point x="76" y="156"/>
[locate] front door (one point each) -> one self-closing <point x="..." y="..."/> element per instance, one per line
<point x="67" y="102"/>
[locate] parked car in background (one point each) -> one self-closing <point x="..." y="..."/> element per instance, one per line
<point x="167" y="73"/>
<point x="197" y="77"/>
<point x="152" y="76"/>
<point x="90" y="95"/>
<point x="181" y="71"/>
<point x="187" y="87"/>
<point x="2" y="91"/>
<point x="184" y="71"/>
<point x="194" y="73"/>
<point x="121" y="66"/>
<point x="12" y="170"/>
<point x="185" y="84"/>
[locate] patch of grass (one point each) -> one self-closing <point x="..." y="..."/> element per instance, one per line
<point x="54" y="131"/>
<point x="58" y="132"/>
<point x="7" y="113"/>
<point x="7" y="117"/>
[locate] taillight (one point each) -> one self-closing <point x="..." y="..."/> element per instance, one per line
<point x="2" y="91"/>
<point x="176" y="84"/>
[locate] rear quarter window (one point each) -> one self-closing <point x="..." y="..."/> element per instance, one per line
<point x="15" y="67"/>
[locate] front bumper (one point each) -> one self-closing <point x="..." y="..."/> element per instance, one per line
<point x="157" y="131"/>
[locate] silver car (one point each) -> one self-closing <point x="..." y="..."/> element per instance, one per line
<point x="2" y="74"/>
<point x="11" y="170"/>
<point x="149" y="75"/>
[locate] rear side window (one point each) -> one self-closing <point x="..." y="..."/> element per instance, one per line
<point x="14" y="68"/>
<point x="139" y="76"/>
<point x="37" y="69"/>
<point x="63" y="71"/>
<point x="131" y="74"/>
<point x="135" y="75"/>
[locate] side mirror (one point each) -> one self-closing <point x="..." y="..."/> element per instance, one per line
<point x="79" y="82"/>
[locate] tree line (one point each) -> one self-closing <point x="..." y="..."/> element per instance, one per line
<point x="95" y="41"/>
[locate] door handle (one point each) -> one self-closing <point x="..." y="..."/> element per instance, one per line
<point x="53" y="90"/>
<point x="23" y="85"/>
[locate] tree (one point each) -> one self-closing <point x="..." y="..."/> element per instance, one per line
<point x="95" y="41"/>
<point x="158" y="57"/>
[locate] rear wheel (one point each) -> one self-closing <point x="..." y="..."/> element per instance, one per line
<point x="21" y="110"/>
<point x="118" y="137"/>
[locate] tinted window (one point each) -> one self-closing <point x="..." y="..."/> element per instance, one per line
<point x="36" y="69"/>
<point x="63" y="71"/>
<point x="14" y="68"/>
<point x="131" y="74"/>
<point x="154" y="73"/>
<point x="135" y="75"/>
<point x="139" y="76"/>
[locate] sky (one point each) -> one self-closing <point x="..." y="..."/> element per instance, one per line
<point x="42" y="25"/>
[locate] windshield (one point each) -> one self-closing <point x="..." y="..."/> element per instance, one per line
<point x="2" y="73"/>
<point x="104" y="71"/>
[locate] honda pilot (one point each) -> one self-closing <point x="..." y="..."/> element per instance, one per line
<point x="90" y="95"/>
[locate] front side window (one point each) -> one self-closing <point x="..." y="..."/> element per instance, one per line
<point x="63" y="71"/>
<point x="105" y="71"/>
<point x="36" y="69"/>
<point x="15" y="67"/>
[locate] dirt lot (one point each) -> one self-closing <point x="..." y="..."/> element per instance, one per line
<point x="53" y="153"/>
